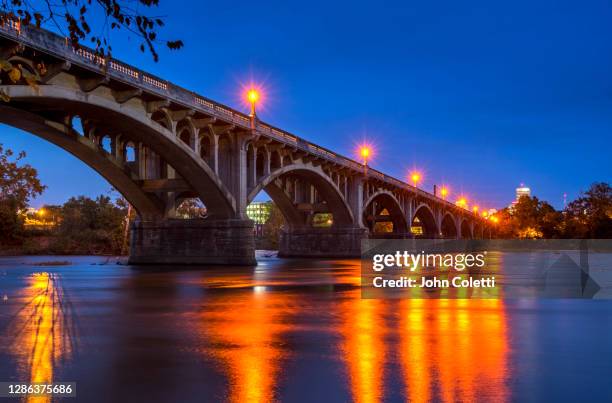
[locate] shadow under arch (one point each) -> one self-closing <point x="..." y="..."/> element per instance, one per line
<point x="424" y="217"/>
<point x="137" y="126"/>
<point x="337" y="205"/>
<point x="478" y="231"/>
<point x="466" y="231"/>
<point x="448" y="227"/>
<point x="384" y="200"/>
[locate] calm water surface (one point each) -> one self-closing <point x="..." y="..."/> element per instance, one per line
<point x="288" y="330"/>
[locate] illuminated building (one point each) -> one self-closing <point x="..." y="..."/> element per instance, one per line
<point x="522" y="190"/>
<point x="259" y="212"/>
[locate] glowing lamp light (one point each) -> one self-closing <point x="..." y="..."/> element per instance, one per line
<point x="365" y="152"/>
<point x="475" y="209"/>
<point x="444" y="192"/>
<point x="41" y="212"/>
<point x="253" y="96"/>
<point x="462" y="202"/>
<point x="415" y="177"/>
<point x="485" y="214"/>
<point x="494" y="219"/>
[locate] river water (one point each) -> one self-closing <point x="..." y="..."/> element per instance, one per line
<point x="290" y="330"/>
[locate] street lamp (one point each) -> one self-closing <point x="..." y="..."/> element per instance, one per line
<point x="364" y="151"/>
<point x="444" y="192"/>
<point x="475" y="209"/>
<point x="462" y="202"/>
<point x="253" y="98"/>
<point x="415" y="177"/>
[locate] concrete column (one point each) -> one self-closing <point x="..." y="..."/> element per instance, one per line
<point x="196" y="140"/>
<point x="214" y="152"/>
<point x="117" y="147"/>
<point x="252" y="166"/>
<point x="355" y="199"/>
<point x="458" y="226"/>
<point x="239" y="173"/>
<point x="141" y="160"/>
<point x="197" y="241"/>
<point x="266" y="166"/>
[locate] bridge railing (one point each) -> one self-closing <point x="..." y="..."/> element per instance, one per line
<point x="57" y="46"/>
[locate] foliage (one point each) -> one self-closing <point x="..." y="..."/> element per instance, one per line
<point x="530" y="218"/>
<point x="590" y="216"/>
<point x="18" y="184"/>
<point x="191" y="208"/>
<point x="272" y="229"/>
<point x="89" y="226"/>
<point x="74" y="19"/>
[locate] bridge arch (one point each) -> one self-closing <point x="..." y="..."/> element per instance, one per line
<point x="424" y="218"/>
<point x="332" y="198"/>
<point x="66" y="138"/>
<point x="132" y="123"/>
<point x="448" y="227"/>
<point x="381" y="202"/>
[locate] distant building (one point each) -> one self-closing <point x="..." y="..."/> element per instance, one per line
<point x="259" y="212"/>
<point x="522" y="190"/>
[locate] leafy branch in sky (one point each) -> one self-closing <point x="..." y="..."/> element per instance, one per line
<point x="75" y="20"/>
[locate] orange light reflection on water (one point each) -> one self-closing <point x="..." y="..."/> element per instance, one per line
<point x="41" y="333"/>
<point x="363" y="347"/>
<point x="245" y="334"/>
<point x="454" y="350"/>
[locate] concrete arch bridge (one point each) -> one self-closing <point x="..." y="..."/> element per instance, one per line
<point x="159" y="144"/>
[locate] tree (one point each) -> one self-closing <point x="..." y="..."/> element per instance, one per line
<point x="530" y="218"/>
<point x="272" y="228"/>
<point x="191" y="208"/>
<point x="74" y="18"/>
<point x="90" y="226"/>
<point x="590" y="216"/>
<point x="18" y="184"/>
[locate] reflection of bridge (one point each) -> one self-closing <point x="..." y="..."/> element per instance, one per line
<point x="159" y="144"/>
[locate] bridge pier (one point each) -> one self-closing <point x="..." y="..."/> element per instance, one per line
<point x="193" y="242"/>
<point x="332" y="242"/>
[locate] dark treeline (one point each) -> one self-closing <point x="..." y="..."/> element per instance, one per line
<point x="589" y="216"/>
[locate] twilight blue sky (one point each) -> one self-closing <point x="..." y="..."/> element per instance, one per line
<point x="480" y="95"/>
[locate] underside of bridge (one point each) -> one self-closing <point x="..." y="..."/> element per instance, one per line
<point x="160" y="145"/>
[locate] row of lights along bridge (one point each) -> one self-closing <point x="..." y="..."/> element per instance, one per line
<point x="366" y="151"/>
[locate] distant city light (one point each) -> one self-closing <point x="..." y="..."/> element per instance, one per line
<point x="462" y="202"/>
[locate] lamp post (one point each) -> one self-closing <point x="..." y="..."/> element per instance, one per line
<point x="365" y="152"/>
<point x="253" y="96"/>
<point x="416" y="178"/>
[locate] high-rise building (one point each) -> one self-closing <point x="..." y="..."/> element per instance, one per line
<point x="522" y="190"/>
